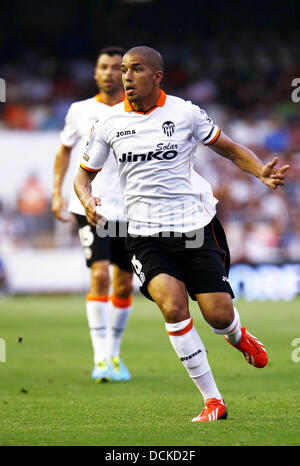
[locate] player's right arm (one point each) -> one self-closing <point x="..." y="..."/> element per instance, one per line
<point x="92" y="161"/>
<point x="62" y="161"/>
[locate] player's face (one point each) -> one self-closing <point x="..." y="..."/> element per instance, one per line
<point x="108" y="73"/>
<point x="139" y="79"/>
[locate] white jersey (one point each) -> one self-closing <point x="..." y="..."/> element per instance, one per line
<point x="155" y="153"/>
<point x="78" y="123"/>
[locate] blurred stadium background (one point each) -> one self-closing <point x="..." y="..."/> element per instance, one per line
<point x="235" y="59"/>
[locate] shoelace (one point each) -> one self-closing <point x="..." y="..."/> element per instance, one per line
<point x="116" y="364"/>
<point x="102" y="365"/>
<point x="254" y="343"/>
<point x="209" y="404"/>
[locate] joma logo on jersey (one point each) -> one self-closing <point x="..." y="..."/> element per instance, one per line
<point x="125" y="133"/>
<point x="158" y="155"/>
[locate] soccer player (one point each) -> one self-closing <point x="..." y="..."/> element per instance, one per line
<point x="107" y="317"/>
<point x="177" y="245"/>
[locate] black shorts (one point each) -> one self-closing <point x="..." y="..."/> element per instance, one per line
<point x="96" y="248"/>
<point x="203" y="269"/>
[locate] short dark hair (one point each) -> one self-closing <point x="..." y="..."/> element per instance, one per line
<point x="112" y="50"/>
<point x="155" y="60"/>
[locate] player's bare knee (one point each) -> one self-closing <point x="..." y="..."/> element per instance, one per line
<point x="100" y="276"/>
<point x="174" y="312"/>
<point x="123" y="289"/>
<point x="122" y="284"/>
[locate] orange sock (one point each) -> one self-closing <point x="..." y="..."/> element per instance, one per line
<point x="120" y="309"/>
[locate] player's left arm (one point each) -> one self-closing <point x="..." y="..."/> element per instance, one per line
<point x="247" y="161"/>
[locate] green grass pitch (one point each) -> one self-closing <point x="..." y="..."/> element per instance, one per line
<point x="48" y="398"/>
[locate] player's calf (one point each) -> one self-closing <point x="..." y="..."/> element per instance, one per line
<point x="253" y="350"/>
<point x="232" y="331"/>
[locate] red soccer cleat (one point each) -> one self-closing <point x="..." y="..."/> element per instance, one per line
<point x="253" y="350"/>
<point x="213" y="411"/>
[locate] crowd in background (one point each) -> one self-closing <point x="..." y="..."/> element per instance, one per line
<point x="247" y="94"/>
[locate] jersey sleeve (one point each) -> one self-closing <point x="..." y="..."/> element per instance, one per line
<point x="204" y="129"/>
<point x="69" y="135"/>
<point x="96" y="151"/>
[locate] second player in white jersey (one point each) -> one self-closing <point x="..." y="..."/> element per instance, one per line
<point x="79" y="120"/>
<point x="155" y="155"/>
<point x="107" y="307"/>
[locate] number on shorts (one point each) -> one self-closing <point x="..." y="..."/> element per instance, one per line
<point x="86" y="236"/>
<point x="137" y="265"/>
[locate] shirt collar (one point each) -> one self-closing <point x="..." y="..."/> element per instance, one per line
<point x="160" y="102"/>
<point x="99" y="99"/>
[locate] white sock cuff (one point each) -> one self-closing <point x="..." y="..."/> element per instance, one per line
<point x="178" y="326"/>
<point x="231" y="327"/>
<point x="97" y="313"/>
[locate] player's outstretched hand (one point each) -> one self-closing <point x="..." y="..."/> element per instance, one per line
<point x="58" y="208"/>
<point x="272" y="176"/>
<point x="90" y="206"/>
